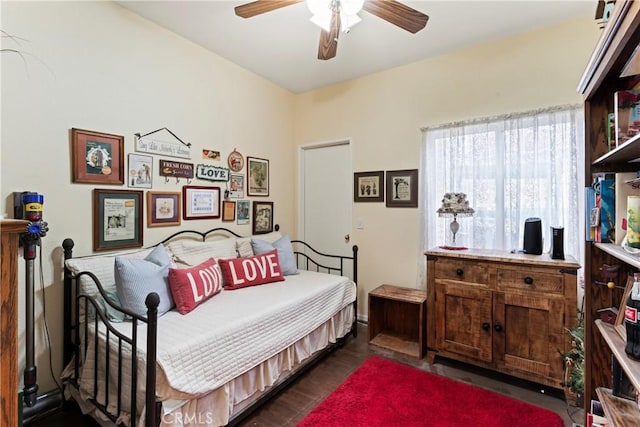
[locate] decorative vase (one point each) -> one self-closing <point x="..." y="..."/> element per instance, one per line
<point x="633" y="221"/>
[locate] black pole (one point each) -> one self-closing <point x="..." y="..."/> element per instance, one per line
<point x="30" y="390"/>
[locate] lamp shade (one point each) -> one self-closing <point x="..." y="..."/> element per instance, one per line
<point x="455" y="204"/>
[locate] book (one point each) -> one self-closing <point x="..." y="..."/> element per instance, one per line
<point x="623" y="191"/>
<point x="611" y="131"/>
<point x="608" y="210"/>
<point x="592" y="218"/>
<point x="627" y="114"/>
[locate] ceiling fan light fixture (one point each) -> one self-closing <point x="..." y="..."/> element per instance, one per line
<point x="322" y="11"/>
<point x="348" y="21"/>
<point x="351" y="7"/>
<point x="322" y="20"/>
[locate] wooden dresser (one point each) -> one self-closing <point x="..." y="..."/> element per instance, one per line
<point x="503" y="311"/>
<point x="9" y="232"/>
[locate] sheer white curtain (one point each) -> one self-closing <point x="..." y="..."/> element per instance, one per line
<point x="511" y="167"/>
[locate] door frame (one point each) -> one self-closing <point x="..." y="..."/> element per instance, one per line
<point x="301" y="169"/>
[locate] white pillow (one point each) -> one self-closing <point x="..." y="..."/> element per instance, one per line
<point x="103" y="267"/>
<point x="268" y="237"/>
<point x="193" y="252"/>
<point x="244" y="248"/>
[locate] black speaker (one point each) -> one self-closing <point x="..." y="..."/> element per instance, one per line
<point x="557" y="242"/>
<point x="532" y="236"/>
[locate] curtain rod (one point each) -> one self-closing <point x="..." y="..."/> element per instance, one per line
<point x="503" y="117"/>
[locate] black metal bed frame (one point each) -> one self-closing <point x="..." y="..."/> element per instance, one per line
<point x="306" y="257"/>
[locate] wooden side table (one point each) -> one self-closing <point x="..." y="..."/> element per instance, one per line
<point x="397" y="319"/>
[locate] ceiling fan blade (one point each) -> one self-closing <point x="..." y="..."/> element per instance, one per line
<point x="262" y="6"/>
<point x="397" y="13"/>
<point x="329" y="39"/>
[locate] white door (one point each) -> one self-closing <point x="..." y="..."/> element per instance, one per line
<point x="326" y="182"/>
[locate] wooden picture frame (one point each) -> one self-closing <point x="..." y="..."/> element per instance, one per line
<point x="139" y="171"/>
<point x="97" y="157"/>
<point x="200" y="202"/>
<point x="402" y="188"/>
<point x="262" y="217"/>
<point x="368" y="186"/>
<point x="163" y="208"/>
<point x="228" y="211"/>
<point x="117" y="219"/>
<point x="257" y="177"/>
<point x="243" y="212"/>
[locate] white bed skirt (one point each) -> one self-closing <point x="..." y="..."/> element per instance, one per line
<point x="219" y="406"/>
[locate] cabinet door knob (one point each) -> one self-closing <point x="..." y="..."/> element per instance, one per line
<point x="528" y="280"/>
<point x="459" y="272"/>
<point x="486" y="326"/>
<point x="497" y="327"/>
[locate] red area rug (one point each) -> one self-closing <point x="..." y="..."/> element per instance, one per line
<point x="386" y="393"/>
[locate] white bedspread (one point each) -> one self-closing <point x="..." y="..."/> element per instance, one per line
<point x="236" y="330"/>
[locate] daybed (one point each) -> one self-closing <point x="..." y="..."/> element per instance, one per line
<point x="233" y="348"/>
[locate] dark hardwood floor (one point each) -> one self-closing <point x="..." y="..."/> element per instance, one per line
<point x="291" y="405"/>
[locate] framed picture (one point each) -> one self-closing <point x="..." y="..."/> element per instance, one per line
<point x="258" y="177"/>
<point x="200" y="202"/>
<point x="243" y="212"/>
<point x="402" y="188"/>
<point x="262" y="217"/>
<point x="139" y="171"/>
<point x="163" y="208"/>
<point x="97" y="158"/>
<point x="117" y="219"/>
<point x="368" y="186"/>
<point x="235" y="161"/>
<point x="228" y="210"/>
<point x="236" y="185"/>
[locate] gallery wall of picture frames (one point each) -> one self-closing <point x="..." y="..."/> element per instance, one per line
<point x="99" y="158"/>
<point x="398" y="188"/>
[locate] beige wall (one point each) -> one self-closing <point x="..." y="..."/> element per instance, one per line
<point x="97" y="66"/>
<point x="384" y="112"/>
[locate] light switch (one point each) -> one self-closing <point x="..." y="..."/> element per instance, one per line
<point x="360" y="224"/>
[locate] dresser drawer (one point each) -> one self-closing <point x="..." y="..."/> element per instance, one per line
<point x="529" y="280"/>
<point x="461" y="270"/>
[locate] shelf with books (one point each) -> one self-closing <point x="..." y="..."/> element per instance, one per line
<point x="605" y="74"/>
<point x="618" y="410"/>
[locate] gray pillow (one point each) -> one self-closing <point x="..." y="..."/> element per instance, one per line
<point x="285" y="253"/>
<point x="136" y="278"/>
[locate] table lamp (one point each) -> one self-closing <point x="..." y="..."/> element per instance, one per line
<point x="454" y="204"/>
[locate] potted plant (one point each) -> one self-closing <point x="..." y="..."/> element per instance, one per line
<point x="574" y="364"/>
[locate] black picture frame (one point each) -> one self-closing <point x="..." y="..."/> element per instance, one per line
<point x="402" y="188"/>
<point x="262" y="221"/>
<point x="368" y="186"/>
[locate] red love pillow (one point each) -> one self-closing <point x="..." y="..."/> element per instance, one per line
<point x="251" y="271"/>
<point x="193" y="286"/>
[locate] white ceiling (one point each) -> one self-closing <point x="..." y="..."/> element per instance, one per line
<point x="282" y="45"/>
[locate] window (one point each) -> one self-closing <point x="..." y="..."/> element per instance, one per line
<point x="512" y="168"/>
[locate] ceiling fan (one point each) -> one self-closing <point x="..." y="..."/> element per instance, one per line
<point x="334" y="16"/>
